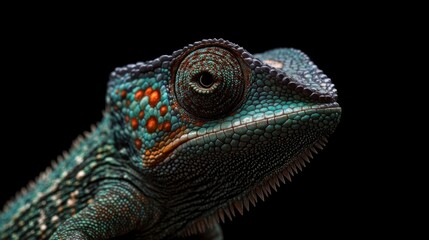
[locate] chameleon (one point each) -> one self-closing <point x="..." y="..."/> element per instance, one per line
<point x="186" y="141"/>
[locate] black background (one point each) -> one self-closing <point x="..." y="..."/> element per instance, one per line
<point x="65" y="61"/>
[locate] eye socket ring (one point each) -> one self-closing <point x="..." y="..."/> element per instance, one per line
<point x="209" y="82"/>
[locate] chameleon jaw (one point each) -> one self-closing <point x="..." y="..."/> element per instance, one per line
<point x="164" y="154"/>
<point x="242" y="202"/>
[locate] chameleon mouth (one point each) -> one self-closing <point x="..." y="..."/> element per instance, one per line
<point x="261" y="191"/>
<point x="280" y="117"/>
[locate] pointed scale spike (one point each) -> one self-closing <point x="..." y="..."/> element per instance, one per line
<point x="298" y="165"/>
<point x="228" y="214"/>
<point x="246" y="203"/>
<point x="208" y="222"/>
<point x="286" y="174"/>
<point x="203" y="225"/>
<point x="265" y="188"/>
<point x="324" y="139"/>
<point x="221" y="215"/>
<point x="276" y="182"/>
<point x="317" y="144"/>
<point x="239" y="206"/>
<point x="205" y="222"/>
<point x="87" y="134"/>
<point x="309" y="154"/>
<point x="215" y="218"/>
<point x="260" y="193"/>
<point x="301" y="161"/>
<point x="305" y="158"/>
<point x="281" y="177"/>
<point x="231" y="209"/>
<point x="54" y="164"/>
<point x="192" y="230"/>
<point x="293" y="167"/>
<point x="200" y="226"/>
<point x="313" y="149"/>
<point x="289" y="169"/>
<point x="253" y="199"/>
<point x="273" y="183"/>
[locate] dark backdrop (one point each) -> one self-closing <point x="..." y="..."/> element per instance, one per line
<point x="54" y="82"/>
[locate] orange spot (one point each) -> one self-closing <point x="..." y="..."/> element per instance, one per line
<point x="167" y="126"/>
<point x="128" y="103"/>
<point x="154" y="98"/>
<point x="134" y="123"/>
<point x="139" y="95"/>
<point x="138" y="143"/>
<point x="160" y="127"/>
<point x="123" y="94"/>
<point x="163" y="110"/>
<point x="148" y="91"/>
<point x="151" y="124"/>
<point x="141" y="114"/>
<point x="117" y="91"/>
<point x="127" y="118"/>
<point x="147" y="153"/>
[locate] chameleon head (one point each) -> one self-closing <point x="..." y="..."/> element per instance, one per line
<point x="213" y="126"/>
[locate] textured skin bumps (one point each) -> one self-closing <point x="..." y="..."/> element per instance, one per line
<point x="185" y="141"/>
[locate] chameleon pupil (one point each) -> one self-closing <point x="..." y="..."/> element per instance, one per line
<point x="206" y="80"/>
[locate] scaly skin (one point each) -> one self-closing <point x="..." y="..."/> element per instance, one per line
<point x="184" y="140"/>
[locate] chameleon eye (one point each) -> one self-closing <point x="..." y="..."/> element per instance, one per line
<point x="209" y="82"/>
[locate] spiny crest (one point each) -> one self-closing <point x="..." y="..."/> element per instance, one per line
<point x="45" y="174"/>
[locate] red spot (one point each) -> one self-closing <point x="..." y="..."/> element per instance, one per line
<point x="128" y="103"/>
<point x="138" y="143"/>
<point x="160" y="127"/>
<point x="163" y="110"/>
<point x="127" y="118"/>
<point x="148" y="91"/>
<point x="167" y="126"/>
<point x="123" y="94"/>
<point x="154" y="98"/>
<point x="134" y="123"/>
<point x="152" y="124"/>
<point x="117" y="91"/>
<point x="139" y="95"/>
<point x="141" y="114"/>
